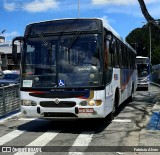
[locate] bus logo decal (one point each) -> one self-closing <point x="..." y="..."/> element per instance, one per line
<point x="61" y="83"/>
<point x="56" y="101"/>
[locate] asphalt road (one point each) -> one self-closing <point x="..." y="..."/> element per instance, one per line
<point x="82" y="135"/>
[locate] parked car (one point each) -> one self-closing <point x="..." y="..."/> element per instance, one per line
<point x="10" y="78"/>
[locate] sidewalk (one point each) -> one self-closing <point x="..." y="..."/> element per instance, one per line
<point x="150" y="135"/>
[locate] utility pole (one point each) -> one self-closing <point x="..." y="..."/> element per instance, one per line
<point x="150" y="41"/>
<point x="78" y="8"/>
<point x="135" y="45"/>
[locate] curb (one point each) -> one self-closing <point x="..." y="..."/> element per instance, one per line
<point x="10" y="117"/>
<point x="156" y="107"/>
<point x="155" y="84"/>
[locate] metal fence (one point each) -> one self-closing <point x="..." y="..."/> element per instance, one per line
<point x="9" y="100"/>
<point x="155" y="77"/>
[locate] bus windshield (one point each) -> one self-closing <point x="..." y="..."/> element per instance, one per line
<point x="143" y="70"/>
<point x="62" y="61"/>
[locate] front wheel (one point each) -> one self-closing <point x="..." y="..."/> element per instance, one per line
<point x="132" y="94"/>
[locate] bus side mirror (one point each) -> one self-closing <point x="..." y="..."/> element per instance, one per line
<point x="14" y="53"/>
<point x="14" y="48"/>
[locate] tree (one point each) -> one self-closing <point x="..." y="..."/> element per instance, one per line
<point x="139" y="40"/>
<point x="156" y="56"/>
<point x="146" y="14"/>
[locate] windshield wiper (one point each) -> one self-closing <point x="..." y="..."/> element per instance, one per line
<point x="45" y="42"/>
<point x="73" y="40"/>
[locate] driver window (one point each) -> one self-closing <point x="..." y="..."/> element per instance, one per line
<point x="108" y="59"/>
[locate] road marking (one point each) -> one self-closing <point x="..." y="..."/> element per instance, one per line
<point x="82" y="140"/>
<point x="27" y="119"/>
<point x="40" y="141"/>
<point x="44" y="138"/>
<point x="11" y="135"/>
<point x="31" y="119"/>
<point x="122" y="120"/>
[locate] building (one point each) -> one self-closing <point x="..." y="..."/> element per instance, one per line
<point x="6" y="62"/>
<point x="2" y="39"/>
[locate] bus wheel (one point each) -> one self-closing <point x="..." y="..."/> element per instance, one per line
<point x="111" y="116"/>
<point x="113" y="113"/>
<point x="131" y="97"/>
<point x="115" y="107"/>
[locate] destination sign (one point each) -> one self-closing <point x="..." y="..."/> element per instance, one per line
<point x="142" y="61"/>
<point x="66" y="25"/>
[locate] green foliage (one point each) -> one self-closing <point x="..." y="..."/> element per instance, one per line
<point x="140" y="41"/>
<point x="156" y="55"/>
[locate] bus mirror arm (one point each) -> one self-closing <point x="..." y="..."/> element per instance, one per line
<point x="14" y="48"/>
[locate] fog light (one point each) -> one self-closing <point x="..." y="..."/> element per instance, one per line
<point x="83" y="103"/>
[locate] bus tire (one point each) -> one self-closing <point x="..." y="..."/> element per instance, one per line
<point x="132" y="92"/>
<point x="111" y="116"/>
<point x="116" y="104"/>
<point x="113" y="112"/>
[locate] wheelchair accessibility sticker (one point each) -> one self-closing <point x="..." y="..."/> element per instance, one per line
<point x="61" y="83"/>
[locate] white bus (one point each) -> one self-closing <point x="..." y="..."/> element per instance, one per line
<point x="143" y="68"/>
<point x="74" y="68"/>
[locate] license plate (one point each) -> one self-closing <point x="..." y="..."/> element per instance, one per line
<point x="86" y="110"/>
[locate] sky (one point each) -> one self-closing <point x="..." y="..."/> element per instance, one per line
<point x="122" y="15"/>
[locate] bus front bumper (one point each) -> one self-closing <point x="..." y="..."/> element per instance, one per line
<point x="74" y="112"/>
<point x="142" y="85"/>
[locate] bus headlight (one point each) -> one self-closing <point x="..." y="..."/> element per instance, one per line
<point x="91" y="102"/>
<point x="28" y="103"/>
<point x="95" y="102"/>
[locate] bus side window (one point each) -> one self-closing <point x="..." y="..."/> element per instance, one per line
<point x="119" y="55"/>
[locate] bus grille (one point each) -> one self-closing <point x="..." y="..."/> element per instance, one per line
<point x="61" y="104"/>
<point x="50" y="114"/>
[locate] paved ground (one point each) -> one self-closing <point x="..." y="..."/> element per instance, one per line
<point x="128" y="129"/>
<point x="150" y="135"/>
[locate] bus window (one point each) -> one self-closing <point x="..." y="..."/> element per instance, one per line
<point x="108" y="60"/>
